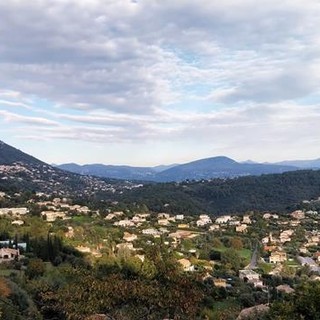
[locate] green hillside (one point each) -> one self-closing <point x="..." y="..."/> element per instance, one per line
<point x="278" y="192"/>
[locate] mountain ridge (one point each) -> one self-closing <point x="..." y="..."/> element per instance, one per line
<point x="20" y="172"/>
<point x="208" y="168"/>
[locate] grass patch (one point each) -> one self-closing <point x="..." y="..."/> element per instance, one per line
<point x="243" y="253"/>
<point x="82" y="219"/>
<point x="266" y="267"/>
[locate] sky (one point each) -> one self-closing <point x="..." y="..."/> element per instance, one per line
<point x="150" y="82"/>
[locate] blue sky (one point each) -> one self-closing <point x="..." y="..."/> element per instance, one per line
<point x="157" y="82"/>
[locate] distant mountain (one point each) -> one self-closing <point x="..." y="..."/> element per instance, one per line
<point x="22" y="172"/>
<point x="111" y="171"/>
<point x="276" y="192"/>
<point x="305" y="164"/>
<point x="216" y="167"/>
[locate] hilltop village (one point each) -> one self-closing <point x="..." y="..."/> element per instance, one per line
<point x="261" y="255"/>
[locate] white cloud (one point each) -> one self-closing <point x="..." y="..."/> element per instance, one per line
<point x="16" y="118"/>
<point x="185" y="71"/>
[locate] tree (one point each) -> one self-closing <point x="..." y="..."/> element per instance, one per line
<point x="231" y="259"/>
<point x="236" y="243"/>
<point x="36" y="268"/>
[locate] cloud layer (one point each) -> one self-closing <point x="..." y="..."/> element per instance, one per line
<point x="203" y="75"/>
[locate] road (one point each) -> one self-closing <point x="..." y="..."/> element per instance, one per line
<point x="254" y="258"/>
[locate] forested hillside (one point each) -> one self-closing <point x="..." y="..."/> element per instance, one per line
<point x="277" y="192"/>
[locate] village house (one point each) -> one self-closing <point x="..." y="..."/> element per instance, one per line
<point x="110" y="216"/>
<point x="142" y="215"/>
<point x="295" y="223"/>
<point x="124" y="223"/>
<point x="186" y="264"/>
<point x="129" y="237"/>
<point x="118" y="213"/>
<point x="202" y="223"/>
<point x="214" y="227"/>
<point x="298" y="214"/>
<point x="223" y="219"/>
<point x="51" y="216"/>
<point x="14" y="211"/>
<point x="285" y="236"/>
<point x="179" y="217"/>
<point x="313" y="240"/>
<point x="246" y="219"/>
<point x="163" y="215"/>
<point x="269" y="239"/>
<point x="138" y="219"/>
<point x="316" y="255"/>
<point x="219" y="282"/>
<point x="312" y="213"/>
<point x="17" y="222"/>
<point x="8" y="254"/>
<point x="268" y="216"/>
<point x="182" y="234"/>
<point x="151" y="232"/>
<point x="250" y="276"/>
<point x="203" y="220"/>
<point x="163" y="222"/>
<point x="234" y="222"/>
<point x="163" y="230"/>
<point x="242" y="228"/>
<point x="278" y="257"/>
<point x="183" y="226"/>
<point x="303" y="249"/>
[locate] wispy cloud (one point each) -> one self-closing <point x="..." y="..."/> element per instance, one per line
<point x="13" y="117"/>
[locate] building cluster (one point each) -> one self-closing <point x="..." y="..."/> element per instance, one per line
<point x="179" y="232"/>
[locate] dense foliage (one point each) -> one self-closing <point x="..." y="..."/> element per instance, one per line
<point x="278" y="192"/>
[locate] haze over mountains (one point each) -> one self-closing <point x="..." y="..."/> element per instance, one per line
<point x="203" y="169"/>
<point x="21" y="172"/>
<point x="210" y="168"/>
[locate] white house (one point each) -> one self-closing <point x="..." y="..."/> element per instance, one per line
<point x="223" y="219"/>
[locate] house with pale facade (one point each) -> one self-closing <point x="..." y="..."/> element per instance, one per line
<point x="278" y="257"/>
<point x="8" y="254"/>
<point x="246" y="219"/>
<point x="250" y="276"/>
<point x="285" y="236"/>
<point x="186" y="264"/>
<point x="51" y="216"/>
<point x="242" y="228"/>
<point x="219" y="282"/>
<point x="14" y="211"/>
<point x="223" y="219"/>
<point x="298" y="214"/>
<point x="129" y="237"/>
